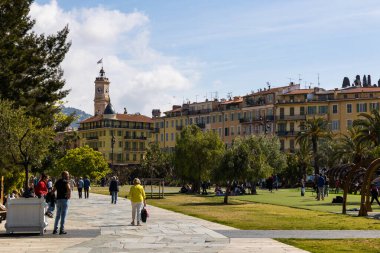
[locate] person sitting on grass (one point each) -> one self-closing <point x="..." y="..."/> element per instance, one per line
<point x="218" y="191"/>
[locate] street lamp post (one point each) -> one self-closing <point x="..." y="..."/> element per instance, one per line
<point x="112" y="145"/>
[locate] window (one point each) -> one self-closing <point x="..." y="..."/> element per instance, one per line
<point x="349" y="108"/>
<point x="167" y="124"/>
<point x="349" y="123"/>
<point x="220" y="131"/>
<point x="311" y="110"/>
<point x="335" y="125"/>
<point x="322" y="109"/>
<point x="172" y="136"/>
<point x="156" y="137"/>
<point x="162" y="137"/>
<point x="120" y="144"/>
<point x="167" y="137"/>
<point x="238" y="130"/>
<point x="232" y="117"/>
<point x="119" y="133"/>
<point x="291" y="145"/>
<point x="291" y="111"/>
<point x="232" y="130"/>
<point x="172" y="123"/>
<point x="361" y="107"/>
<point x="335" y="109"/>
<point x="302" y="110"/>
<point x="213" y="119"/>
<point x="220" y="118"/>
<point x="225" y="117"/>
<point x="127" y="156"/>
<point x="208" y="120"/>
<point x="239" y="115"/>
<point x="282" y="113"/>
<point x="134" y="157"/>
<point x="374" y="106"/>
<point x="226" y="131"/>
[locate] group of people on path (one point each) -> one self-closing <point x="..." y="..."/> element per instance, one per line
<point x="58" y="195"/>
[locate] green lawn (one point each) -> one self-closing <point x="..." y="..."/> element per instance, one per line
<point x="283" y="209"/>
<point x="336" y="246"/>
<point x="292" y="198"/>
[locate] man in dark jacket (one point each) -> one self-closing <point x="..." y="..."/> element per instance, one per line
<point x="63" y="195"/>
<point x="86" y="186"/>
<point x="114" y="189"/>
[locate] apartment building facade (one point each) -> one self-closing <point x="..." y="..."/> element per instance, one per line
<point x="273" y="111"/>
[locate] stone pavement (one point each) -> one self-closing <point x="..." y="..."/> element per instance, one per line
<point x="96" y="225"/>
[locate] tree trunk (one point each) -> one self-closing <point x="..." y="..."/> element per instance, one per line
<point x="26" y="185"/>
<point x="253" y="188"/>
<point x="315" y="154"/>
<point x="345" y="190"/>
<point x="228" y="189"/>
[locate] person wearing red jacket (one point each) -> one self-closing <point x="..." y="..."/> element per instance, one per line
<point x="41" y="188"/>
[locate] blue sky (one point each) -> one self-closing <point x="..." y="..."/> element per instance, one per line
<point x="174" y="50"/>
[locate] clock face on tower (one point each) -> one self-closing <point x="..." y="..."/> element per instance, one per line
<point x="99" y="90"/>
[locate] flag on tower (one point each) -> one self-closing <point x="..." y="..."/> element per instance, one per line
<point x="100" y="61"/>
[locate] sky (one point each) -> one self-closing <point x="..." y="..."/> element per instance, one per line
<point x="158" y="53"/>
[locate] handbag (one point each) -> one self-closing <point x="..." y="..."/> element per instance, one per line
<point x="144" y="215"/>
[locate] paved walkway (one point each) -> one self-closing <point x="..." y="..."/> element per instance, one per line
<point x="95" y="225"/>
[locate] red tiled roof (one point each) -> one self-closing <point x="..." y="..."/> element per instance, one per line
<point x="122" y="117"/>
<point x="361" y="89"/>
<point x="233" y="101"/>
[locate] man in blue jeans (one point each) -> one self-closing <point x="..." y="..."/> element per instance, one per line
<point x="86" y="185"/>
<point x="63" y="195"/>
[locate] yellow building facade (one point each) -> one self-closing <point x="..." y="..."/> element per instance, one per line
<point x="121" y="138"/>
<point x="273" y="111"/>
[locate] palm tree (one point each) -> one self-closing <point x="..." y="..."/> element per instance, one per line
<point x="369" y="127"/>
<point x="304" y="157"/>
<point x="349" y="149"/>
<point x="314" y="130"/>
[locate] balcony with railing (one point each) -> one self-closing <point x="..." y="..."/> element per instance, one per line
<point x="290" y="133"/>
<point x="128" y="137"/>
<point x="90" y="138"/>
<point x="292" y="117"/>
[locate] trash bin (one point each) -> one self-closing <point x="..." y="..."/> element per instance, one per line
<point x="26" y="215"/>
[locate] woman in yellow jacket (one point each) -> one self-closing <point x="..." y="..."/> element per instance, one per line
<point x="138" y="199"/>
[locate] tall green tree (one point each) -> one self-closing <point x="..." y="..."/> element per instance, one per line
<point x="235" y="165"/>
<point x="314" y="130"/>
<point x="30" y="72"/>
<point x="84" y="161"/>
<point x="368" y="127"/>
<point x="369" y="81"/>
<point x="156" y="163"/>
<point x="346" y="82"/>
<point x="365" y="84"/>
<point x="23" y="141"/>
<point x="196" y="154"/>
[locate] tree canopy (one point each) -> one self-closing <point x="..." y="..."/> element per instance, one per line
<point x="23" y="141"/>
<point x="196" y="154"/>
<point x="156" y="163"/>
<point x="30" y="72"/>
<point x="84" y="161"/>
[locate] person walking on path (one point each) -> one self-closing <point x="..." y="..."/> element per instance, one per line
<point x="86" y="186"/>
<point x="138" y="199"/>
<point x="80" y="185"/>
<point x="114" y="189"/>
<point x="63" y="195"/>
<point x="320" y="185"/>
<point x="374" y="194"/>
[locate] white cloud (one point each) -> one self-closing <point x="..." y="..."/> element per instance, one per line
<point x="141" y="77"/>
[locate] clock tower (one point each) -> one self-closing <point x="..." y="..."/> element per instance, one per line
<point x="102" y="97"/>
